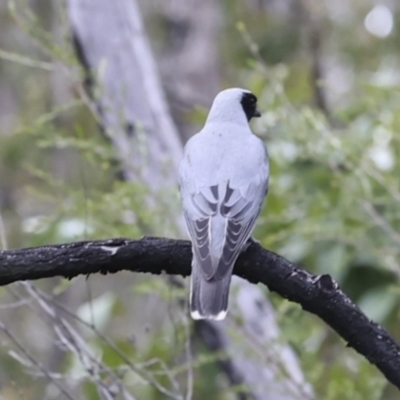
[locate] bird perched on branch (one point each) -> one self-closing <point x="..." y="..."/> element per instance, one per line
<point x="223" y="182"/>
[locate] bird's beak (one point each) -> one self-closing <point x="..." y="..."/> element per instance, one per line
<point x="257" y="113"/>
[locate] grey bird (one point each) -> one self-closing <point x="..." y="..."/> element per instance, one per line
<point x="223" y="182"/>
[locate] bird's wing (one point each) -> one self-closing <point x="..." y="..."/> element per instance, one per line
<point x="235" y="205"/>
<point x="199" y="209"/>
<point x="241" y="209"/>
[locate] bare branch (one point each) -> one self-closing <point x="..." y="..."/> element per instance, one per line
<point x="319" y="295"/>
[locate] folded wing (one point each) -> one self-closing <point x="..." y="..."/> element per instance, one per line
<point x="220" y="219"/>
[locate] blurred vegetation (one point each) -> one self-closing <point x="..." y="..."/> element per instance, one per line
<point x="333" y="205"/>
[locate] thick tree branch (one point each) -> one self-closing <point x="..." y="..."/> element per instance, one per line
<point x="319" y="295"/>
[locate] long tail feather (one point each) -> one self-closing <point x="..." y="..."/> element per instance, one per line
<point x="208" y="299"/>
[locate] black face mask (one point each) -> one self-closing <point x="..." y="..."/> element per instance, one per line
<point x="249" y="104"/>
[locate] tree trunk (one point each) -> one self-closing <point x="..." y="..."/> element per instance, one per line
<point x="128" y="94"/>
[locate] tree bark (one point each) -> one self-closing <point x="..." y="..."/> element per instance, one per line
<point x="318" y="294"/>
<point x="125" y="86"/>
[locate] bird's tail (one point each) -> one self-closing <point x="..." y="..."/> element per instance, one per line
<point x="208" y="299"/>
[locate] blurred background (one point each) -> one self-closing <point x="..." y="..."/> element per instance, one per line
<point x="327" y="77"/>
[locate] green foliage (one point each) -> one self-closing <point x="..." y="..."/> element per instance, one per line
<point x="332" y="205"/>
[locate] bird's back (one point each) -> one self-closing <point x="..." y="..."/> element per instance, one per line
<point x="225" y="153"/>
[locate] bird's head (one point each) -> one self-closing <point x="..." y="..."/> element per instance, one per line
<point x="234" y="105"/>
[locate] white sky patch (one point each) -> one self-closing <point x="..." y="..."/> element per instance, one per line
<point x="36" y="224"/>
<point x="97" y="311"/>
<point x="379" y="21"/>
<point x="383" y="157"/>
<point x="381" y="153"/>
<point x="72" y="228"/>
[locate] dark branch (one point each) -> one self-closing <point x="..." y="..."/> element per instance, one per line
<point x="319" y="295"/>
